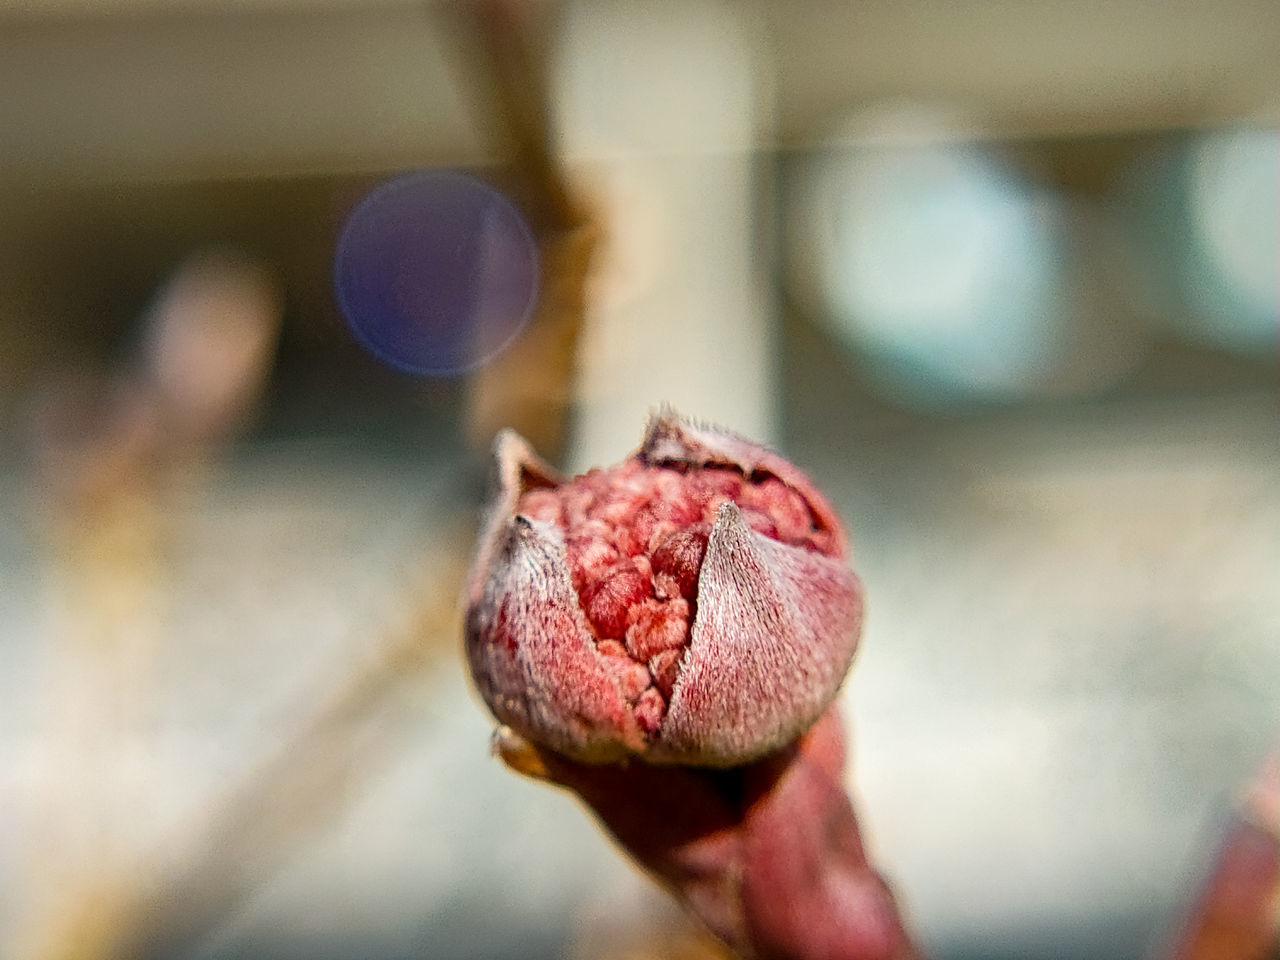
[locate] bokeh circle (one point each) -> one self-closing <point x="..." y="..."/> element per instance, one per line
<point x="436" y="273"/>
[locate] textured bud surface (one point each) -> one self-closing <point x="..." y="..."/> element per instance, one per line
<point x="690" y="604"/>
<point x="636" y="537"/>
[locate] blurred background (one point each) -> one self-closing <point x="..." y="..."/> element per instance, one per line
<point x="1000" y="275"/>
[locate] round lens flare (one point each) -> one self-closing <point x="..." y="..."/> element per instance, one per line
<point x="436" y="273"/>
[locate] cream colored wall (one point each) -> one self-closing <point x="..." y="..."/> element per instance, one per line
<point x="146" y="88"/>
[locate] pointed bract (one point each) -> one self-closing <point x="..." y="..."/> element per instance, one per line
<point x="530" y="652"/>
<point x="516" y="469"/>
<point x="671" y="438"/>
<point x="776" y="630"/>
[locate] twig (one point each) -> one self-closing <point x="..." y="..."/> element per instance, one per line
<point x="768" y="856"/>
<point x="530" y="387"/>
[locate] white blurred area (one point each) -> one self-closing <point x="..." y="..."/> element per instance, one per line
<point x="1001" y="276"/>
<point x="958" y="280"/>
<point x="934" y="260"/>
<point x="1234" y="193"/>
<point x="662" y="107"/>
<point x="1086" y="604"/>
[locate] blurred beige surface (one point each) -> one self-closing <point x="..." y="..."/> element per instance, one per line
<point x="1071" y="661"/>
<point x="1072" y="656"/>
<point x="144" y="89"/>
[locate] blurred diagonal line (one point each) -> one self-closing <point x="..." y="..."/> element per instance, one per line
<point x="306" y="785"/>
<point x="508" y="41"/>
<point x="164" y="910"/>
<point x="1237" y="913"/>
<point x="108" y="446"/>
<point x="530" y="387"/>
<point x="104" y="554"/>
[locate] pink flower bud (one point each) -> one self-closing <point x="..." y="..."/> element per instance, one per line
<point x="690" y="605"/>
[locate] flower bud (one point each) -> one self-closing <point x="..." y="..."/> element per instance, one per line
<point x="690" y="605"/>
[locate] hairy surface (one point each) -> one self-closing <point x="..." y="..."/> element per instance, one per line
<point x="691" y="605"/>
<point x="635" y="538"/>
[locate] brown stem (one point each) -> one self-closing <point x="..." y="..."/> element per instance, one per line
<point x="768" y="855"/>
<point x="529" y="387"/>
<point x="510" y="66"/>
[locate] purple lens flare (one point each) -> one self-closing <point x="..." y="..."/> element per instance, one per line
<point x="436" y="273"/>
